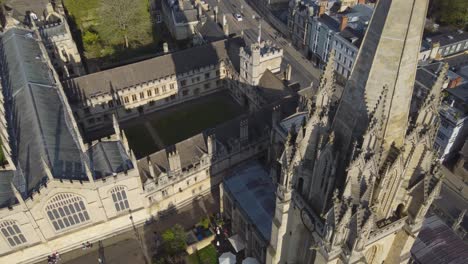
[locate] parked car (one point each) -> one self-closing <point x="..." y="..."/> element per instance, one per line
<point x="238" y="17"/>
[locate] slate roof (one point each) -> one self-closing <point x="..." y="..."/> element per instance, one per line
<point x="52" y="30"/>
<point x="330" y="22"/>
<point x="438" y="244"/>
<point x="210" y="30"/>
<point x="38" y="121"/>
<point x="152" y="69"/>
<point x="445" y="40"/>
<point x="272" y="88"/>
<point x="254" y="194"/>
<point x="7" y="197"/>
<point x="108" y="158"/>
<point x="190" y="151"/>
<point x="23" y="6"/>
<point x="353" y="36"/>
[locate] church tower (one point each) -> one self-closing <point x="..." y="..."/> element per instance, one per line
<point x="358" y="179"/>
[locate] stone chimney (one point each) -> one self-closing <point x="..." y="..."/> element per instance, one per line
<point x="174" y="160"/>
<point x="215" y="12"/>
<point x="288" y="72"/>
<point x="151" y="168"/>
<point x="244" y="130"/>
<point x="343" y="23"/>
<point x="321" y="10"/>
<point x="199" y="11"/>
<point x="116" y="125"/>
<point x="226" y="29"/>
<point x="211" y="145"/>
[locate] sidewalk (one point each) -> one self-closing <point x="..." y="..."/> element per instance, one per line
<point x="124" y="248"/>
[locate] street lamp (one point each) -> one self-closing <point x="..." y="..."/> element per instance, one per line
<point x="138" y="237"/>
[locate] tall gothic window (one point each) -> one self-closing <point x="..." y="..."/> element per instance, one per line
<point x="119" y="196"/>
<point x="66" y="210"/>
<point x="12" y="233"/>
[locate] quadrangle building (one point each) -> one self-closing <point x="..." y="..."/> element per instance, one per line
<point x="58" y="191"/>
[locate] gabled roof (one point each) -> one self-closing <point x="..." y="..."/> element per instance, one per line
<point x="38" y="123"/>
<point x="190" y="152"/>
<point x="272" y="88"/>
<point x="104" y="82"/>
<point x="108" y="158"/>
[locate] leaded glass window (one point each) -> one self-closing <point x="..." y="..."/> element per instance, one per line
<point x="66" y="210"/>
<point x="12" y="233"/>
<point x="119" y="196"/>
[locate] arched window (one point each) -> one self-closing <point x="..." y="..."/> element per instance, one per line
<point x="119" y="196"/>
<point x="12" y="233"/>
<point x="66" y="210"/>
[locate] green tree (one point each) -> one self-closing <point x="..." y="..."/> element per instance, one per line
<point x="124" y="22"/>
<point x="90" y="38"/>
<point x="450" y="12"/>
<point x="174" y="240"/>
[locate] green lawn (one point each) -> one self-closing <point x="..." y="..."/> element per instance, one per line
<point x="180" y="122"/>
<point x="206" y="255"/>
<point x="189" y="119"/>
<point x="140" y="140"/>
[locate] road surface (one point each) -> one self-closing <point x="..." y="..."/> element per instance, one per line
<point x="303" y="70"/>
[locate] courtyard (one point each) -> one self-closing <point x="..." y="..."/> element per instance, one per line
<point x="152" y="132"/>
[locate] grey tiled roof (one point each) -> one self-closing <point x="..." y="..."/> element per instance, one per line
<point x="272" y="88"/>
<point x="38" y="122"/>
<point x="52" y="30"/>
<point x="7" y="197"/>
<point x="330" y="22"/>
<point x="22" y="6"/>
<point x="449" y="38"/>
<point x="152" y="69"/>
<point x="438" y="244"/>
<point x="108" y="158"/>
<point x="190" y="152"/>
<point x="210" y="30"/>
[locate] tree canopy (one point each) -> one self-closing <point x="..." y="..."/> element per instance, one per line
<point x="174" y="240"/>
<point x="450" y="12"/>
<point x="124" y="22"/>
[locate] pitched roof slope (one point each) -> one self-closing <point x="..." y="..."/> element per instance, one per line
<point x="37" y="120"/>
<point x="152" y="69"/>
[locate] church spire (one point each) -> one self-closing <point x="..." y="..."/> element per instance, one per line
<point x="387" y="58"/>
<point x="327" y="83"/>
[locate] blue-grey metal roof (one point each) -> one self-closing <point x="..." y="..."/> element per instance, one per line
<point x="437" y="244"/>
<point x="108" y="158"/>
<point x="254" y="193"/>
<point x="38" y="124"/>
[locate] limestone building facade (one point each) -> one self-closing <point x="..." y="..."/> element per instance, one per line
<point x="147" y="86"/>
<point x="58" y="191"/>
<point x="357" y="179"/>
<point x="49" y="18"/>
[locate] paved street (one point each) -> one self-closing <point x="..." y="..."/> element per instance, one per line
<point x="124" y="248"/>
<point x="303" y="70"/>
